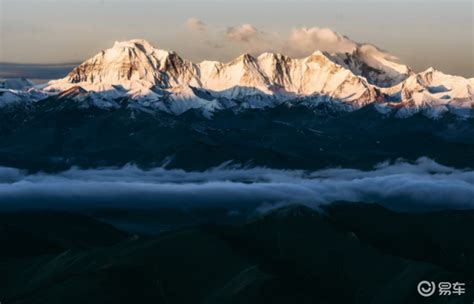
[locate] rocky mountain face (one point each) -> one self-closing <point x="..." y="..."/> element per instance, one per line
<point x="374" y="65"/>
<point x="161" y="80"/>
<point x="143" y="71"/>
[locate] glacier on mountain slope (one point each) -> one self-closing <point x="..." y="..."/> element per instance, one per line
<point x="368" y="61"/>
<point x="15" y="90"/>
<point x="433" y="93"/>
<point x="9" y="97"/>
<point x="162" y="80"/>
<point x="142" y="71"/>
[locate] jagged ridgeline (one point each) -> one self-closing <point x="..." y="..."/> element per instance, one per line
<point x="136" y="103"/>
<point x="162" y="80"/>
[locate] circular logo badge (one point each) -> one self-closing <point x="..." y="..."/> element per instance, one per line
<point x="426" y="289"/>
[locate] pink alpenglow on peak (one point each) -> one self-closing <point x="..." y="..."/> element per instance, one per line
<point x="366" y="75"/>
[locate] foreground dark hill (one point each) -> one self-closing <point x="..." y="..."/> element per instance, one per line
<point x="34" y="233"/>
<point x="59" y="133"/>
<point x="291" y="255"/>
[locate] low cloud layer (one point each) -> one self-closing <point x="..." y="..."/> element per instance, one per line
<point x="422" y="186"/>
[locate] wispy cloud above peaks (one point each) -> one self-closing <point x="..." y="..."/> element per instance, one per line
<point x="244" y="33"/>
<point x="303" y="41"/>
<point x="299" y="42"/>
<point x="250" y="39"/>
<point x="411" y="29"/>
<point x="196" y="24"/>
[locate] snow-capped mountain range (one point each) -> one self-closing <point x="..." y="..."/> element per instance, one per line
<point x="161" y="80"/>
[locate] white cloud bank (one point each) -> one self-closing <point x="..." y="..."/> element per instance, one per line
<point x="424" y="185"/>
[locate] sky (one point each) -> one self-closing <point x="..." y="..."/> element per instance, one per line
<point x="419" y="33"/>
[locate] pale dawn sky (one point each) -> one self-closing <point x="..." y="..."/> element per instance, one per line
<point x="420" y="33"/>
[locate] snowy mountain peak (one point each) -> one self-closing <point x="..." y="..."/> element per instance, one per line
<point x="142" y="46"/>
<point x="139" y="68"/>
<point x="130" y="64"/>
<point x="433" y="93"/>
<point x="318" y="53"/>
<point x="244" y="58"/>
<point x="135" y="43"/>
<point x="135" y="65"/>
<point x="268" y="55"/>
<point x="378" y="67"/>
<point x="135" y="69"/>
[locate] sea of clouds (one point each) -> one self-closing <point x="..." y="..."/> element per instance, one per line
<point x="420" y="186"/>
